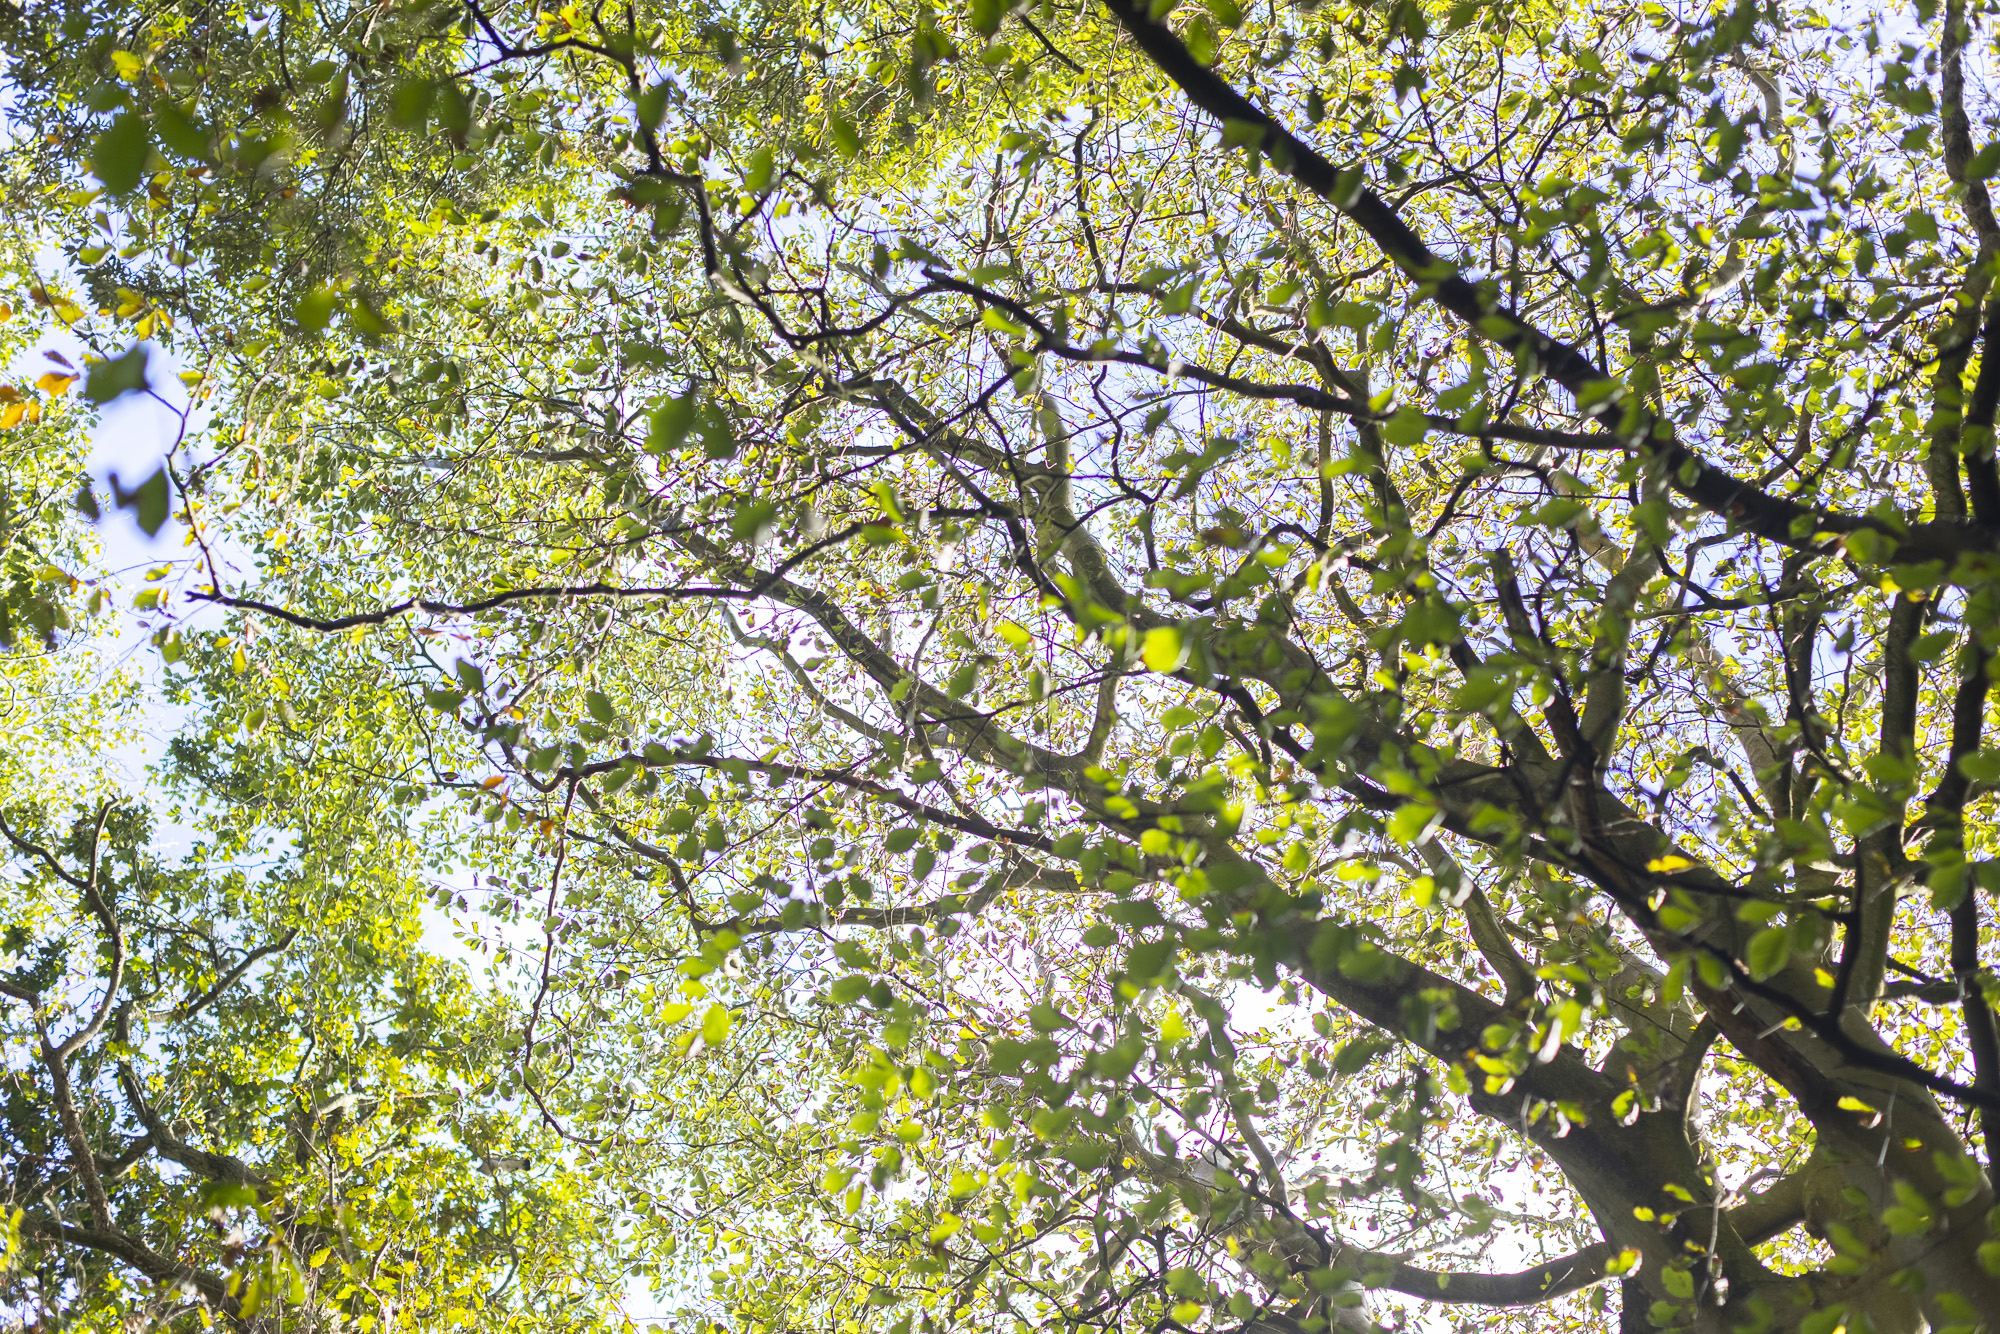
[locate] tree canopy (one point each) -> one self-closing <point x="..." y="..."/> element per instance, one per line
<point x="1127" y="667"/>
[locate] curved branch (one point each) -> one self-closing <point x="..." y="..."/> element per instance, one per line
<point x="1529" y="1287"/>
<point x="108" y="918"/>
<point x="188" y="1009"/>
<point x="136" y="1253"/>
<point x="214" y="1166"/>
<point x="382" y="616"/>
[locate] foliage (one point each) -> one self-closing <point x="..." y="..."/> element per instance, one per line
<point x="1184" y="667"/>
<point x="264" y="1146"/>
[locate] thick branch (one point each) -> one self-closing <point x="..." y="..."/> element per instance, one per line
<point x="193" y="1006"/>
<point x="1982" y="473"/>
<point x="214" y="1166"/>
<point x="136" y="1253"/>
<point x="383" y="615"/>
<point x="1957" y="128"/>
<point x="1529" y="1287"/>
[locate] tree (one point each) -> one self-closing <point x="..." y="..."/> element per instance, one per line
<point x="277" y="1124"/>
<point x="1172" y="667"/>
<point x="238" y="1087"/>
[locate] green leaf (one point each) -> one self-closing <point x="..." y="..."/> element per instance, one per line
<point x="1869" y="546"/>
<point x="650" y="107"/>
<point x="1767" y="951"/>
<point x="1413" y="823"/>
<point x="119" y="158"/>
<point x="715" y="1025"/>
<point x="600" y="706"/>
<point x="672" y="420"/>
<point x="315" y="309"/>
<point x="1948" y="885"/>
<point x="1981" y="766"/>
<point x="1356" y="1053"/>
<point x="1048" y="1019"/>
<point x="1406" y="428"/>
<point x="846" y="138"/>
<point x="1149" y="961"/>
<point x="1928" y="648"/>
<point x="753" y="520"/>
<point x="410" y="104"/>
<point x="985" y="15"/>
<point x="122" y="374"/>
<point x="718" y="441"/>
<point x="179" y="130"/>
<point x="1164" y="649"/>
<point x="148" y="501"/>
<point x="227" y="1195"/>
<point x="1912" y="1214"/>
<point x="1557" y="513"/>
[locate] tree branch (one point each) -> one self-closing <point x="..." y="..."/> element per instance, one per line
<point x="1769" y="516"/>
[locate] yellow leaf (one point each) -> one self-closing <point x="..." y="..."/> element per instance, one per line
<point x="55" y="383"/>
<point x="11" y="415"/>
<point x="492" y="782"/>
<point x="1670" y="862"/>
